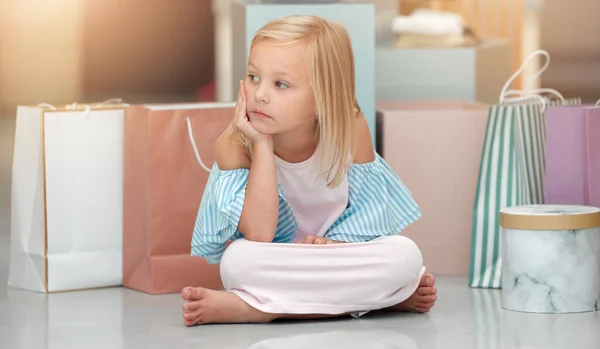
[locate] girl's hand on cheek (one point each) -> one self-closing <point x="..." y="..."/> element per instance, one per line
<point x="242" y="122"/>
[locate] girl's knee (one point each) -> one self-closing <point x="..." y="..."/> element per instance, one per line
<point x="236" y="263"/>
<point x="403" y="255"/>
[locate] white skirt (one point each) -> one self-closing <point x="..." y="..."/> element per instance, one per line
<point x="323" y="279"/>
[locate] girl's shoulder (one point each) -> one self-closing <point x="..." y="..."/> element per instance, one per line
<point x="231" y="153"/>
<point x="364" y="148"/>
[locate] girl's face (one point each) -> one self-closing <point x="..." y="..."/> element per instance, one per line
<point x="279" y="95"/>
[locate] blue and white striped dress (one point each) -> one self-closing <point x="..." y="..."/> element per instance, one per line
<point x="379" y="204"/>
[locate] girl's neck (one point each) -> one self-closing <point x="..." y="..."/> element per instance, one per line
<point x="294" y="148"/>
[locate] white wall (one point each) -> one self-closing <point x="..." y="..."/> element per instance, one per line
<point x="61" y="51"/>
<point x="40" y="52"/>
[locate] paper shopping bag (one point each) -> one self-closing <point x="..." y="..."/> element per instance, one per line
<point x="67" y="198"/>
<point x="512" y="168"/>
<point x="435" y="147"/>
<point x="511" y="174"/>
<point x="169" y="150"/>
<point x="573" y="156"/>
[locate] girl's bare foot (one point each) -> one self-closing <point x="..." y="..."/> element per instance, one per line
<point x="422" y="300"/>
<point x="205" y="306"/>
<point x="208" y="306"/>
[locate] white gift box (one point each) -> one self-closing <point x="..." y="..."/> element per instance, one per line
<point x="471" y="74"/>
<point x="67" y="198"/>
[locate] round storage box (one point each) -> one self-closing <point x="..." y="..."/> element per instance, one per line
<point x="550" y="258"/>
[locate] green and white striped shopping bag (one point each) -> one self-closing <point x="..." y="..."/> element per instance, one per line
<point x="511" y="174"/>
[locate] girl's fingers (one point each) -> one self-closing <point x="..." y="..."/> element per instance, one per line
<point x="241" y="92"/>
<point x="243" y="89"/>
<point x="238" y="103"/>
<point x="316" y="240"/>
<point x="241" y="111"/>
<point x="242" y="102"/>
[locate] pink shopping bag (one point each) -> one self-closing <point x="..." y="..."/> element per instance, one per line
<point x="573" y="156"/>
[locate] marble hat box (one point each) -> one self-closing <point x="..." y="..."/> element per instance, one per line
<point x="550" y="258"/>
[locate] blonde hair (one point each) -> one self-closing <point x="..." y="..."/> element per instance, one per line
<point x="332" y="79"/>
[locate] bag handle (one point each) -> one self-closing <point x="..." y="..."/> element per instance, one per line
<point x="46" y="105"/>
<point x="193" y="142"/>
<point x="115" y="101"/>
<point x="537" y="91"/>
<point x="519" y="71"/>
<point x="87" y="108"/>
<point x="543" y="101"/>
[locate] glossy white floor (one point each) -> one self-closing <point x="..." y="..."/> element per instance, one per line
<point x="121" y="318"/>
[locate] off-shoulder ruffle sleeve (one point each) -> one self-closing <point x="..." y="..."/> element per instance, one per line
<point x="379" y="204"/>
<point x="219" y="213"/>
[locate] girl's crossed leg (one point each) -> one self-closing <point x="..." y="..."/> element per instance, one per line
<point x="265" y="282"/>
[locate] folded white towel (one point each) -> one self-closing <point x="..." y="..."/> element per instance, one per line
<point x="429" y="22"/>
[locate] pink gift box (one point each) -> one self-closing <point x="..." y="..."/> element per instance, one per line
<point x="435" y="148"/>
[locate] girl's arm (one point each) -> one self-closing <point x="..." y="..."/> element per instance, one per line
<point x="260" y="211"/>
<point x="261" y="206"/>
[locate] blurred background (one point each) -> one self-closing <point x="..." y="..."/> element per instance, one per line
<point x="171" y="51"/>
<point x="62" y="51"/>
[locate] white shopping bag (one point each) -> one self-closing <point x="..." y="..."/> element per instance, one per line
<point x="67" y="198"/>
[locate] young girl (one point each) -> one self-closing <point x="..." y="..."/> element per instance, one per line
<point x="312" y="210"/>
